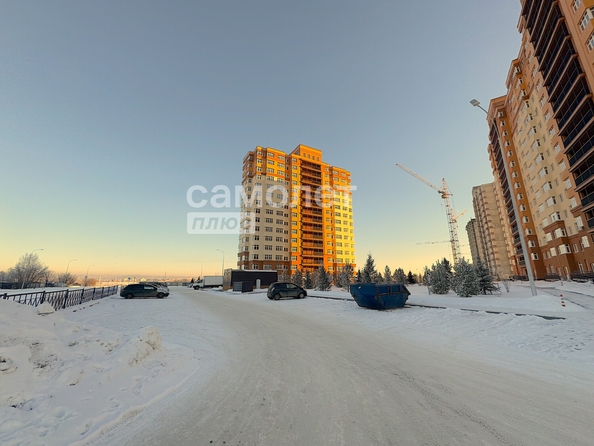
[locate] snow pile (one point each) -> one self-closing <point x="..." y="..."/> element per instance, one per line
<point x="61" y="380"/>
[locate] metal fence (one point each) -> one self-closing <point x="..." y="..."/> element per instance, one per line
<point x="62" y="298"/>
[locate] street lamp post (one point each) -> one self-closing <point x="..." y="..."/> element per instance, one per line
<point x="223" y="268"/>
<point x="527" y="259"/>
<point x="201" y="267"/>
<point x="87" y="275"/>
<point x="26" y="271"/>
<point x="66" y="273"/>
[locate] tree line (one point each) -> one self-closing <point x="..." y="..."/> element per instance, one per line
<point x="29" y="270"/>
<point x="322" y="280"/>
<point x="463" y="278"/>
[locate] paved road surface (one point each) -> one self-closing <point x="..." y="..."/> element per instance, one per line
<point x="294" y="381"/>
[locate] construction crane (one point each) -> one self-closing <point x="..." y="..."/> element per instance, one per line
<point x="452" y="218"/>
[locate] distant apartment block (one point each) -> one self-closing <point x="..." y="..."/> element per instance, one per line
<point x="297" y="213"/>
<point x="471" y="232"/>
<point x="546" y="126"/>
<point x="494" y="247"/>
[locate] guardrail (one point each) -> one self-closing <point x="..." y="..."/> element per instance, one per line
<point x="62" y="298"/>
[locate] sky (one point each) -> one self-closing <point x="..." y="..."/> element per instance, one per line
<point x="110" y="111"/>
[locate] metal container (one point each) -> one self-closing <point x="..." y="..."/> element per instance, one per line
<point x="379" y="296"/>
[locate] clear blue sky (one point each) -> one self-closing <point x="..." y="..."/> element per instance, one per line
<point x="110" y="111"/>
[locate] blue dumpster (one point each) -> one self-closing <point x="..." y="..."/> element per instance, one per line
<point x="379" y="296"/>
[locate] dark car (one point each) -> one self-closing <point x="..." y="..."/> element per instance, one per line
<point x="285" y="289"/>
<point x="159" y="284"/>
<point x="144" y="290"/>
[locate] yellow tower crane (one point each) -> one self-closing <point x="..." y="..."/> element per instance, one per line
<point x="452" y="218"/>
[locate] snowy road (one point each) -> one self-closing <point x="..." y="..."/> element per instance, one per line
<point x="298" y="378"/>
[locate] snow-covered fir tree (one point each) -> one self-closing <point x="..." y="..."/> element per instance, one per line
<point x="399" y="276"/>
<point x="484" y="278"/>
<point x="448" y="266"/>
<point x="464" y="281"/>
<point x="297" y="278"/>
<point x="345" y="277"/>
<point x="359" y="276"/>
<point x="410" y="278"/>
<point x="440" y="278"/>
<point x="323" y="279"/>
<point x="307" y="280"/>
<point x="388" y="275"/>
<point x="426" y="276"/>
<point x="369" y="274"/>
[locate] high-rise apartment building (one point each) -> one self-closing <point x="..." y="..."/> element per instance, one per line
<point x="545" y="124"/>
<point x="297" y="212"/>
<point x="494" y="248"/>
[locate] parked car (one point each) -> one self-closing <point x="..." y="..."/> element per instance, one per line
<point x="159" y="284"/>
<point x="285" y="289"/>
<point x="144" y="290"/>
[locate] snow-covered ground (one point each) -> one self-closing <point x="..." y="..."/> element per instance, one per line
<point x="66" y="376"/>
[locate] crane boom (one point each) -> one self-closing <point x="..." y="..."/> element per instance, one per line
<point x="452" y="218"/>
<point x="419" y="177"/>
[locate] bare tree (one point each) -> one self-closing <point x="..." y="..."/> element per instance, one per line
<point x="67" y="278"/>
<point x="50" y="276"/>
<point x="29" y="269"/>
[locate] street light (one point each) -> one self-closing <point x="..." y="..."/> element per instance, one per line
<point x="73" y="260"/>
<point x="201" y="267"/>
<point x="87" y="275"/>
<point x="25" y="275"/>
<point x="223" y="270"/>
<point x="527" y="259"/>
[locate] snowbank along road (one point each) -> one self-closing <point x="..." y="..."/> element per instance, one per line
<point x="296" y="377"/>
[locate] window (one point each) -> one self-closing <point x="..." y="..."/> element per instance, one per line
<point x="585" y="19"/>
<point x="564" y="249"/>
<point x="590" y="42"/>
<point x="576" y="4"/>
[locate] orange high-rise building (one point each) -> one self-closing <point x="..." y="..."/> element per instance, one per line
<point x="298" y="212"/>
<point x="546" y="124"/>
